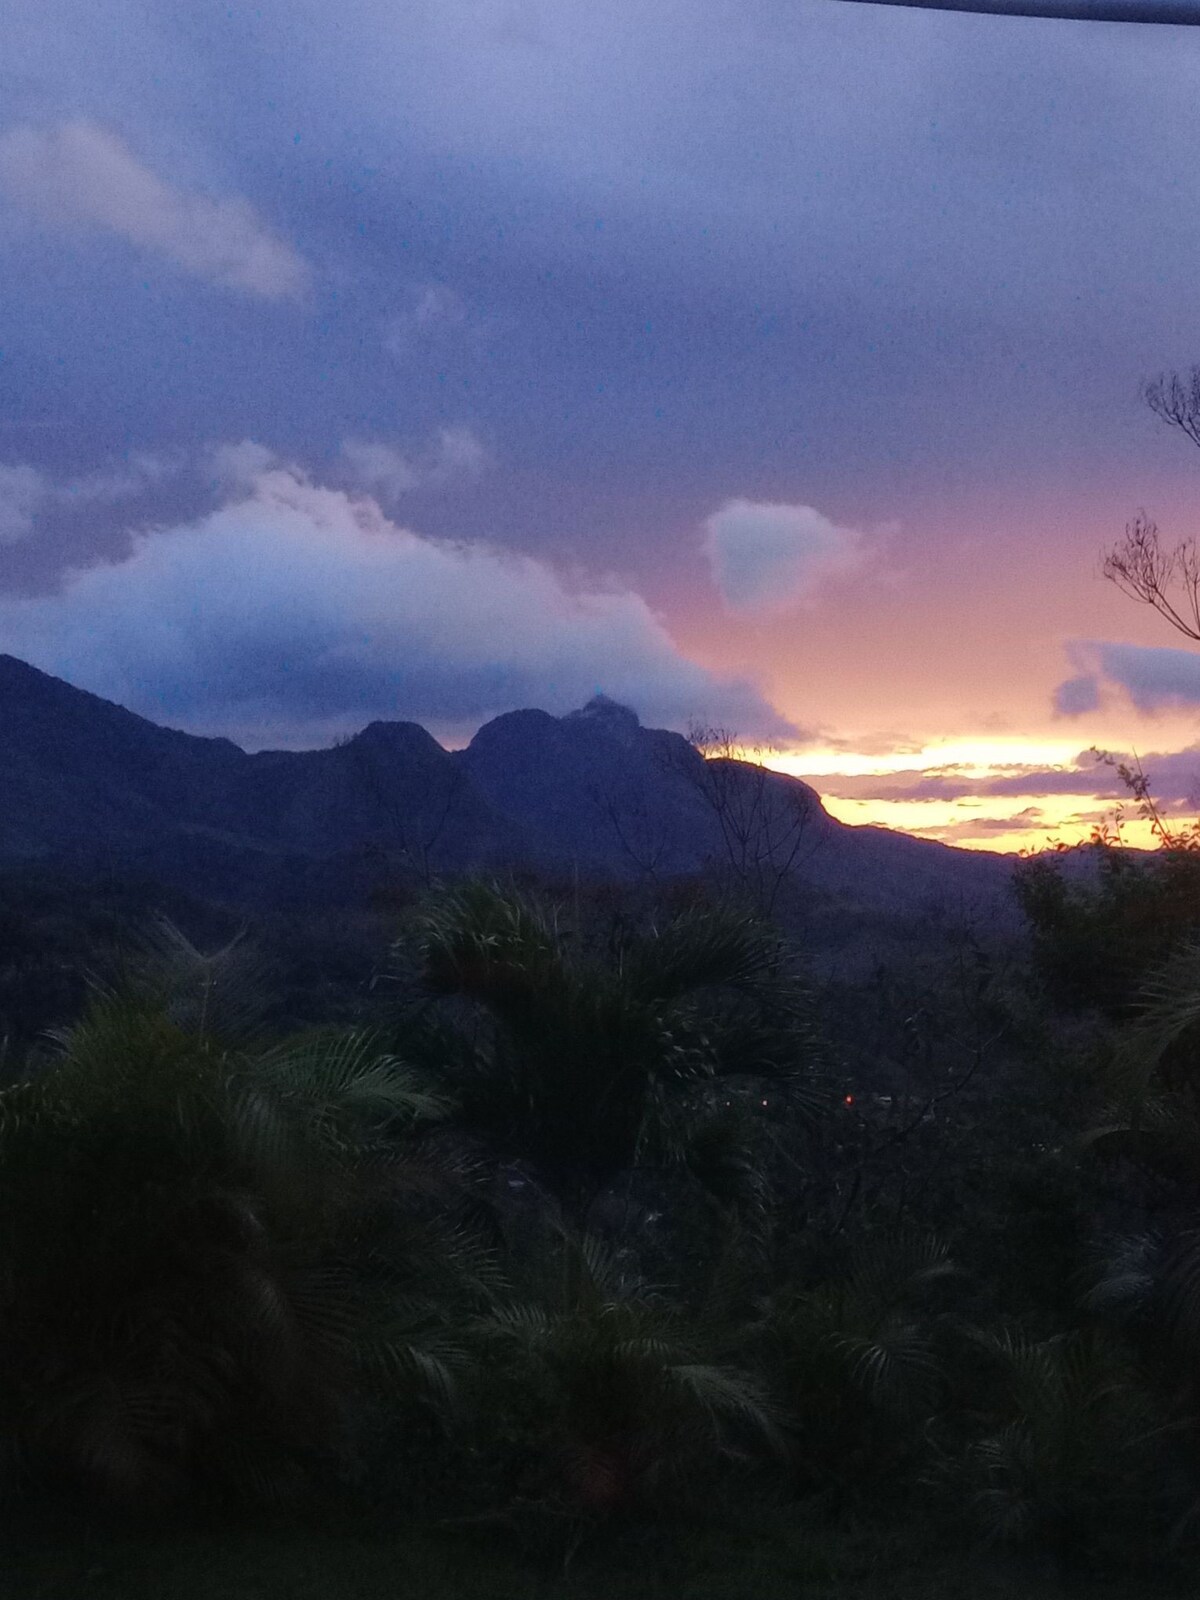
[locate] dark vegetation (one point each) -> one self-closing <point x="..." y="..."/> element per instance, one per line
<point x="501" y="1231"/>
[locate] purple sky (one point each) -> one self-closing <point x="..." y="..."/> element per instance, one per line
<point x="775" y="364"/>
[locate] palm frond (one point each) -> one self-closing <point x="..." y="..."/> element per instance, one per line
<point x="731" y="1398"/>
<point x="335" y="1073"/>
<point x="221" y="994"/>
<point x="699" y="948"/>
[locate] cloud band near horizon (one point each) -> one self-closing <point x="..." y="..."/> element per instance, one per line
<point x="294" y="613"/>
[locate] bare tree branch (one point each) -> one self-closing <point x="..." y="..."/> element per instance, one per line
<point x="1166" y="579"/>
<point x="643" y="836"/>
<point x="1175" y="397"/>
<point x="764" y="821"/>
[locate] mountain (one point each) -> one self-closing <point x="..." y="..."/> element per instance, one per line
<point x="91" y="786"/>
<point x="87" y="784"/>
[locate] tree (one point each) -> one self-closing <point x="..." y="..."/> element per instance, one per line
<point x="203" y="1255"/>
<point x="856" y="1359"/>
<point x="1141" y="566"/>
<point x="1095" y="942"/>
<point x="1166" y="579"/>
<point x="588" y="1052"/>
<point x="766" y="821"/>
<point x="634" y="1397"/>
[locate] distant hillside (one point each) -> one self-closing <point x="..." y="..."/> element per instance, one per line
<point x="89" y="785"/>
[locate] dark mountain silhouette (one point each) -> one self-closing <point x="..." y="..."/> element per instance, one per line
<point x="91" y="786"/>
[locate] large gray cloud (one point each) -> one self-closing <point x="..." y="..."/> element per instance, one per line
<point x="296" y="612"/>
<point x="979" y="151"/>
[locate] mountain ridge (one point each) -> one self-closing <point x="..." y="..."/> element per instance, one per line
<point x="89" y="782"/>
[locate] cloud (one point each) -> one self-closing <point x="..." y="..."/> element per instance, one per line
<point x="238" y="466"/>
<point x="22" y="490"/>
<point x="460" y="453"/>
<point x="382" y="468"/>
<point x="976" y="827"/>
<point x="140" y="470"/>
<point x="297" y="612"/>
<point x="1078" y="695"/>
<point x="80" y="174"/>
<point x="25" y="490"/>
<point x="768" y="558"/>
<point x="1174" y="778"/>
<point x="432" y="315"/>
<point x="1084" y="777"/>
<point x="434" y="305"/>
<point x="456" y="454"/>
<point x="1153" y="677"/>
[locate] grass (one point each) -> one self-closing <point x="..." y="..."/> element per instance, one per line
<point x="787" y="1559"/>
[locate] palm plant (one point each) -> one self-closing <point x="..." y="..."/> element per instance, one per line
<point x="859" y="1360"/>
<point x="1148" y="1282"/>
<point x="587" y="1060"/>
<point x="610" y="1395"/>
<point x="204" y="1254"/>
<point x="1068" y="1452"/>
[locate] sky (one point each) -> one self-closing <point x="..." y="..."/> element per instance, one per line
<point x="773" y="366"/>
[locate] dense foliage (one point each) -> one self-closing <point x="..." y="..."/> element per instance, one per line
<point x="554" y="1209"/>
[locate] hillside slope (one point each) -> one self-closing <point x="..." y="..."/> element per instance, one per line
<point x="88" y="784"/>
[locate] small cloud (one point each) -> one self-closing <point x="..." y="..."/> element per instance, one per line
<point x="22" y="491"/>
<point x="975" y="827"/>
<point x="768" y="557"/>
<point x="455" y="454"/>
<point x="436" y="305"/>
<point x="140" y="471"/>
<point x="381" y="468"/>
<point x="433" y="310"/>
<point x="881" y="744"/>
<point x="25" y="490"/>
<point x="79" y="174"/>
<point x="1077" y="695"/>
<point x="461" y="453"/>
<point x="435" y="317"/>
<point x="239" y="466"/>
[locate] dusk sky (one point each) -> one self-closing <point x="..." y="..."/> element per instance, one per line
<point x="773" y="365"/>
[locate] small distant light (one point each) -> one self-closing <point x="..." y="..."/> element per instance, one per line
<point x="848" y="1100"/>
<point x="764" y="1102"/>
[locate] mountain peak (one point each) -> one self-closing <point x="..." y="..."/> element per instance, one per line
<point x="601" y="708"/>
<point x="398" y="736"/>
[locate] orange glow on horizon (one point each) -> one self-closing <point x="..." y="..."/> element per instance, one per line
<point x="1068" y="819"/>
<point x="1031" y="820"/>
